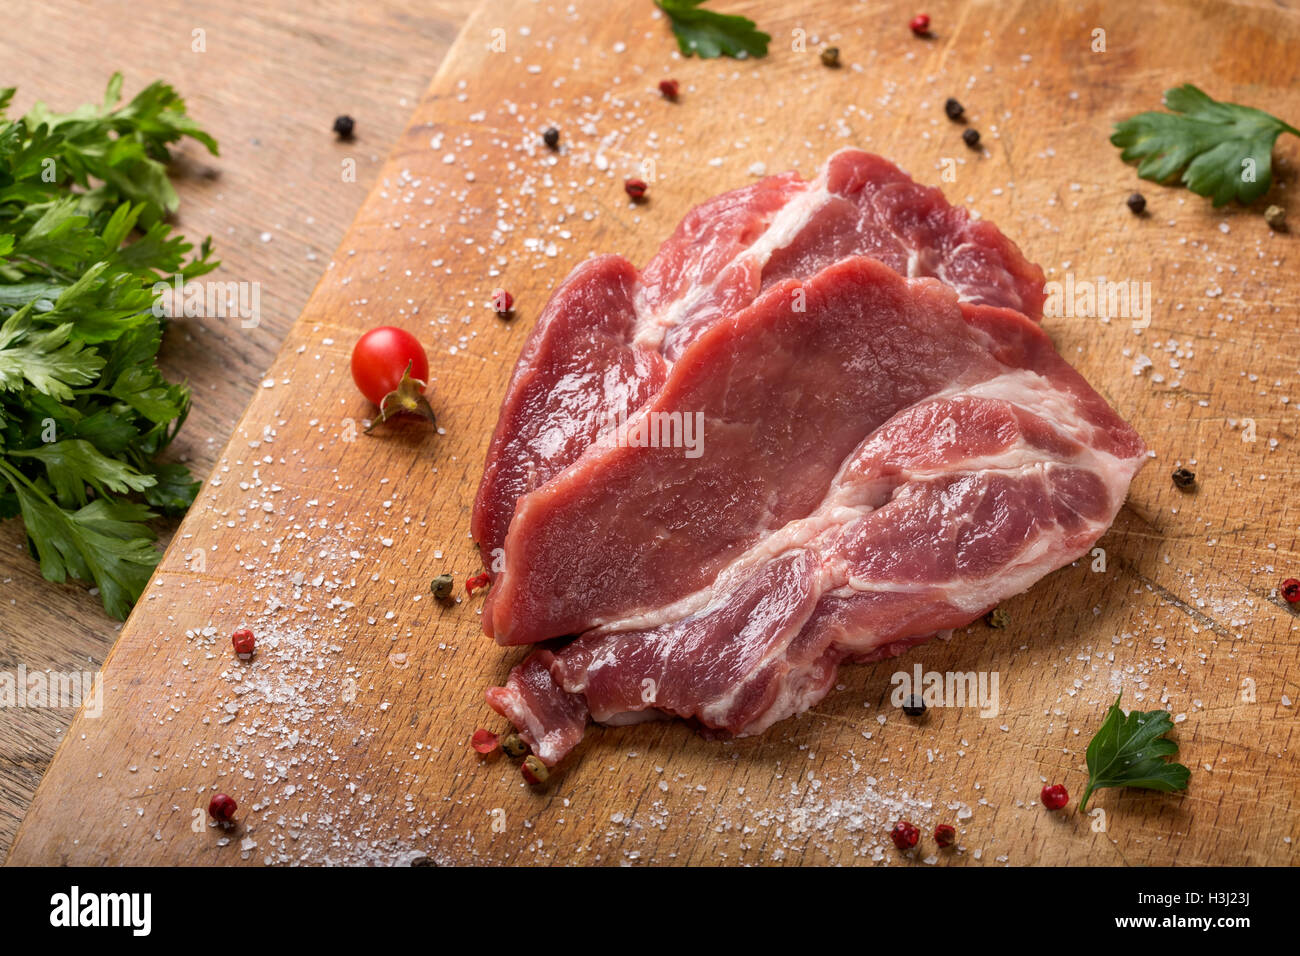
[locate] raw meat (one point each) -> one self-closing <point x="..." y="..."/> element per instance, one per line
<point x="883" y="466"/>
<point x="607" y="338"/>
<point x="880" y="458"/>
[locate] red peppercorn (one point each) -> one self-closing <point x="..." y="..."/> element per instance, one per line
<point x="484" y="741"/>
<point x="244" y="642"/>
<point x="1055" y="796"/>
<point x="945" y="835"/>
<point x="222" y="808"/>
<point x="920" y="24"/>
<point x="476" y="582"/>
<point x="1291" y="591"/>
<point x="669" y="88"/>
<point x="635" y="188"/>
<point x="502" y="301"/>
<point x="904" y="835"/>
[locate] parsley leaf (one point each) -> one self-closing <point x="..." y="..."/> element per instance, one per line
<point x="1130" y="751"/>
<point x="73" y="464"/>
<point x="84" y="410"/>
<point x="712" y="34"/>
<point x="1224" y="150"/>
<point x="45" y="360"/>
<point x="173" y="488"/>
<point x="106" y="541"/>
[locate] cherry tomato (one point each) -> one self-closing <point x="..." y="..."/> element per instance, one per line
<point x="380" y="359"/>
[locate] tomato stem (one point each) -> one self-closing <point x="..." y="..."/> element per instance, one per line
<point x="407" y="398"/>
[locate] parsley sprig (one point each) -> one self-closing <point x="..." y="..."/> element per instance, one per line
<point x="1130" y="751"/>
<point x="712" y="34"/>
<point x="1223" y="150"/>
<point x="84" y="410"/>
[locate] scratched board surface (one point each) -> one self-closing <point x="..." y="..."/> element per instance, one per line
<point x="345" y="740"/>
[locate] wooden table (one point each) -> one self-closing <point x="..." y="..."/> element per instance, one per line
<point x="268" y="86"/>
<point x="346" y="739"/>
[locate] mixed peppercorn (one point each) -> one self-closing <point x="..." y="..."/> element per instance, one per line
<point x="441" y="587"/>
<point x="485" y="743"/>
<point x="244" y="643"/>
<point x="222" y="808"/>
<point x="1054" y="796"/>
<point x="905" y="835"/>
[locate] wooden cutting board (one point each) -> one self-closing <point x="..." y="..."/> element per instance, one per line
<point x="346" y="739"/>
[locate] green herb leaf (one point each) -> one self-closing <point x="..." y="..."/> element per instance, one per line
<point x="73" y="465"/>
<point x="45" y="360"/>
<point x="106" y="542"/>
<point x="84" y="410"/>
<point x="174" y="489"/>
<point x="712" y="34"/>
<point x="1130" y="751"/>
<point x="1223" y="150"/>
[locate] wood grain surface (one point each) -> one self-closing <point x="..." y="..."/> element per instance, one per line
<point x="345" y="740"/>
<point x="267" y="84"/>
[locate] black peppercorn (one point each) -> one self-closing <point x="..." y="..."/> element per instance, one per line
<point x="551" y="138"/>
<point x="1183" y="478"/>
<point x="344" y="126"/>
<point x="1137" y="203"/>
<point x="971" y="138"/>
<point x="954" y="109"/>
<point x="914" y="706"/>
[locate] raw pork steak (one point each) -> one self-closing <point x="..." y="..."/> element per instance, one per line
<point x="883" y="458"/>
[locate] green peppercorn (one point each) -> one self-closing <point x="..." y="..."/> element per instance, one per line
<point x="534" y="770"/>
<point x="441" y="586"/>
<point x="997" y="618"/>
<point x="512" y="745"/>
